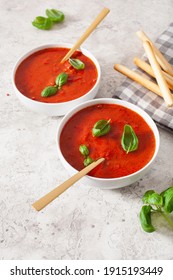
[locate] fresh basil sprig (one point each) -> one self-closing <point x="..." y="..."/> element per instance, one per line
<point x="61" y="79"/>
<point x="55" y="15"/>
<point x="42" y="23"/>
<point x="156" y="203"/>
<point x="83" y="149"/>
<point x="49" y="91"/>
<point x="45" y="23"/>
<point x="129" y="140"/>
<point x="76" y="63"/>
<point x="101" y="128"/>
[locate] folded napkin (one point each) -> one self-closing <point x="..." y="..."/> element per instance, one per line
<point x="142" y="97"/>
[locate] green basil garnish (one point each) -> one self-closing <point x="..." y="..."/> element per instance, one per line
<point x="88" y="161"/>
<point x="129" y="140"/>
<point x="84" y="150"/>
<point x="162" y="204"/>
<point x="61" y="79"/>
<point x="42" y="23"/>
<point x="55" y="15"/>
<point x="153" y="198"/>
<point x="145" y="218"/>
<point x="101" y="128"/>
<point x="147" y="195"/>
<point x="49" y="91"/>
<point x="76" y="63"/>
<point x="168" y="199"/>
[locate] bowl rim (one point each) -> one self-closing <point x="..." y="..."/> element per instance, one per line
<point x="54" y="45"/>
<point x="108" y="101"/>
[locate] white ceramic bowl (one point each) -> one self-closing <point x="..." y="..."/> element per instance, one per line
<point x="111" y="183"/>
<point x="55" y="109"/>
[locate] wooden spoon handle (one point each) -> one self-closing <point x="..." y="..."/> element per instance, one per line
<point x="85" y="35"/>
<point x="45" y="200"/>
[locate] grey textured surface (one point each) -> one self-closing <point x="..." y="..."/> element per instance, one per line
<point x="85" y="222"/>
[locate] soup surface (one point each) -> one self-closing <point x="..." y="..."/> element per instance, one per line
<point x="118" y="163"/>
<point x="40" y="69"/>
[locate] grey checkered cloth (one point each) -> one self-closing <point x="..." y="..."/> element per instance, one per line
<point x="147" y="100"/>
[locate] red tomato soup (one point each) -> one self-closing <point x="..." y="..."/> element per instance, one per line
<point x="40" y="69"/>
<point x="118" y="163"/>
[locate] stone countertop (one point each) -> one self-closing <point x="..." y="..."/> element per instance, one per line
<point x="85" y="222"/>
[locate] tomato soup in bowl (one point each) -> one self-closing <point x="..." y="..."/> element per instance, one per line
<point x="116" y="130"/>
<point x="46" y="85"/>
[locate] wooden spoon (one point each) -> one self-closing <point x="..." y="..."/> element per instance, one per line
<point x="85" y="35"/>
<point x="45" y="200"/>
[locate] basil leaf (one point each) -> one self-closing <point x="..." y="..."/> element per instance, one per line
<point x="129" y="140"/>
<point x="76" y="63"/>
<point x="145" y="218"/>
<point x="88" y="161"/>
<point x="153" y="199"/>
<point x="61" y="79"/>
<point x="84" y="150"/>
<point x="101" y="128"/>
<point x="168" y="200"/>
<point x="146" y="195"/>
<point x="55" y="15"/>
<point x="49" y="91"/>
<point x="42" y="23"/>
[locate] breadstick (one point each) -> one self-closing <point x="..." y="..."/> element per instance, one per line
<point x="158" y="74"/>
<point x="138" y="78"/>
<point x="147" y="68"/>
<point x="161" y="59"/>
